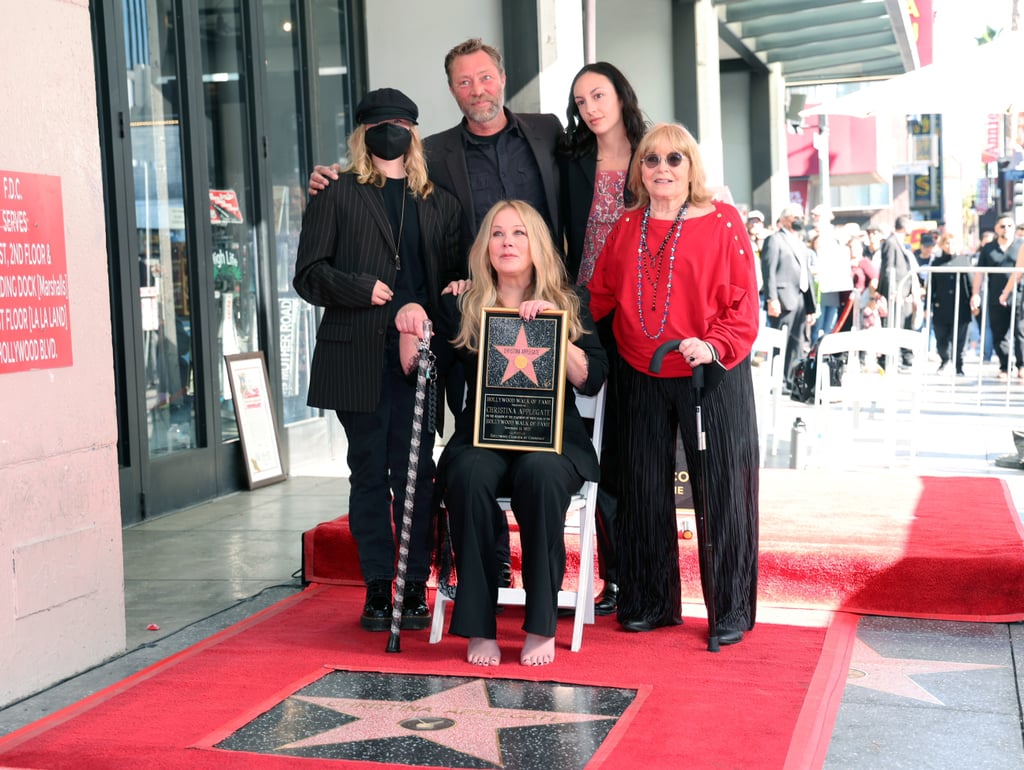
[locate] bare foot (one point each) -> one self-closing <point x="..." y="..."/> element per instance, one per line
<point x="538" y="650"/>
<point x="483" y="652"/>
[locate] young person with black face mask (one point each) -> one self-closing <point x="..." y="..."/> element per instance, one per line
<point x="376" y="250"/>
<point x="786" y="268"/>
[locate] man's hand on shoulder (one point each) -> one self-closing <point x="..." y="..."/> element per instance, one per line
<point x="322" y="176"/>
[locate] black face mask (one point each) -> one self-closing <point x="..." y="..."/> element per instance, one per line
<point x="797" y="225"/>
<point x="388" y="140"/>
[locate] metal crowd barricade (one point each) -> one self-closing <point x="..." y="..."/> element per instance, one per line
<point x="897" y="314"/>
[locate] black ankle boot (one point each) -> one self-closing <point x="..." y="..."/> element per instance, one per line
<point x="608" y="602"/>
<point x="415" y="611"/>
<point x="377" y="610"/>
<point x="504" y="575"/>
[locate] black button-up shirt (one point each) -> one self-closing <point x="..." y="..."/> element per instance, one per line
<point x="503" y="167"/>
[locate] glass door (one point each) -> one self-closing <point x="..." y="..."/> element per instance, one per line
<point x="165" y="281"/>
<point x="287" y="130"/>
<point x="208" y="122"/>
<point x="233" y="197"/>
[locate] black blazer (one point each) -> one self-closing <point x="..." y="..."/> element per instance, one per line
<point x="446" y="162"/>
<point x="576" y="444"/>
<point x="345" y="247"/>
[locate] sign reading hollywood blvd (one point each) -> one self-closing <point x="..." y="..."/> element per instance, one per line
<point x="35" y="325"/>
<point x="521" y="381"/>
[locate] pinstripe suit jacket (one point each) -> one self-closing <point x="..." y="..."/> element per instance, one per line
<point x="345" y="247"/>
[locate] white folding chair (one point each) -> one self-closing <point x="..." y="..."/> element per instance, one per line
<point x="769" y="380"/>
<point x="580" y="519"/>
<point x="867" y="384"/>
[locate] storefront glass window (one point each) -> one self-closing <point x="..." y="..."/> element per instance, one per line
<point x="232" y="212"/>
<point x="165" y="281"/>
<point x="335" y="79"/>
<point x="297" y="319"/>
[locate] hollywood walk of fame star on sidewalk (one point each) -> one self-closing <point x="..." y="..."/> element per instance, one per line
<point x="520" y="357"/>
<point x="893" y="675"/>
<point x="460" y="718"/>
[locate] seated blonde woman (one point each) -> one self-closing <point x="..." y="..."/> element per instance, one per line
<point x="513" y="264"/>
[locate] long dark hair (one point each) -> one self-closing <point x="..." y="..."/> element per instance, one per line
<point x="579" y="140"/>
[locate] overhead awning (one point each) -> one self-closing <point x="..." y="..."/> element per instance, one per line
<point x="821" y="41"/>
<point x="976" y="81"/>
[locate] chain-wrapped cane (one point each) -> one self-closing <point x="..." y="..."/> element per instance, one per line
<point x="423" y="374"/>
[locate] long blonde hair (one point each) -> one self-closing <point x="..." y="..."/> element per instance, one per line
<point x="361" y="163"/>
<point x="678" y="139"/>
<point x="550" y="279"/>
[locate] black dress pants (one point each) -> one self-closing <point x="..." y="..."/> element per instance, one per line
<point x="378" y="459"/>
<point x="540" y="485"/>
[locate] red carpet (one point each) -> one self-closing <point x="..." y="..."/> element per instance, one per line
<point x="884" y="544"/>
<point x="767" y="703"/>
<point x="891" y="544"/>
<point x="887" y="544"/>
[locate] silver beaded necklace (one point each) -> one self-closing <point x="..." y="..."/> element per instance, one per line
<point x="652" y="267"/>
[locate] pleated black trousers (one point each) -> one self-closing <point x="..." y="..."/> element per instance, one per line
<point x="652" y="410"/>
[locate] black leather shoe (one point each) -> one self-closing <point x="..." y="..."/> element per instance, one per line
<point x="729" y="636"/>
<point x="377" y="610"/>
<point x="637" y="626"/>
<point x="415" y="611"/>
<point x="640" y="625"/>
<point x="608" y="602"/>
<point x="504" y="575"/>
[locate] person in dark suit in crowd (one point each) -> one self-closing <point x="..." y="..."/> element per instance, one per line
<point x="1000" y="252"/>
<point x="951" y="315"/>
<point x="786" y="271"/>
<point x="376" y="249"/>
<point x="898" y="282"/>
<point x="514" y="264"/>
<point x="491" y="155"/>
<point x="677" y="266"/>
<point x="605" y="125"/>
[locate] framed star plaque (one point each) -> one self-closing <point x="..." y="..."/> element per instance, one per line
<point x="520" y="386"/>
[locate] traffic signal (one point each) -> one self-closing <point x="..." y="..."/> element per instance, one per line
<point x="1018" y="201"/>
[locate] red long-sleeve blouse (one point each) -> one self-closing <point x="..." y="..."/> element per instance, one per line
<point x="713" y="288"/>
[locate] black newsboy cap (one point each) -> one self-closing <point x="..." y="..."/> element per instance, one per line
<point x="386" y="104"/>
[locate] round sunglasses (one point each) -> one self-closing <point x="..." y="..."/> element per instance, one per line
<point x="673" y="159"/>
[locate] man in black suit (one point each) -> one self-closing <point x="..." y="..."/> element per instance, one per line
<point x="786" y="270"/>
<point x="376" y="249"/>
<point x="493" y="153"/>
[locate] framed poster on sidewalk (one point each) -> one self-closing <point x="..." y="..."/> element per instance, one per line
<point x="520" y="388"/>
<point x="257" y="426"/>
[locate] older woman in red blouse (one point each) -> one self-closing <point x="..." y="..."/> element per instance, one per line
<point x="678" y="265"/>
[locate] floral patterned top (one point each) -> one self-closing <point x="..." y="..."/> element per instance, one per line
<point x="605" y="211"/>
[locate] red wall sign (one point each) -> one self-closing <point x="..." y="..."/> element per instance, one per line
<point x="35" y="325"/>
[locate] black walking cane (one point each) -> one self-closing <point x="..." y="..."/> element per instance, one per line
<point x="425" y="363"/>
<point x="706" y="554"/>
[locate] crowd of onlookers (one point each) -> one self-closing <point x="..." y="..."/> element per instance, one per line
<point x="846" y="269"/>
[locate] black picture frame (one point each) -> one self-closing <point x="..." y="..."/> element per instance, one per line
<point x="520" y="388"/>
